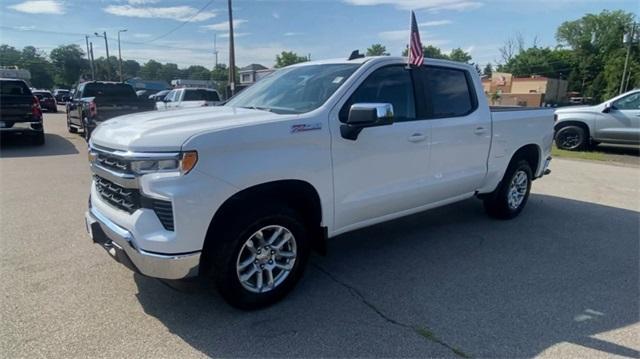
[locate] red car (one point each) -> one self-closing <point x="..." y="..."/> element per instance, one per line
<point x="47" y="101"/>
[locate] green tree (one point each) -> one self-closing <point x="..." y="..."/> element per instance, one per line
<point x="459" y="55"/>
<point x="150" y="70"/>
<point x="377" y="50"/>
<point x="130" y="68"/>
<point x="287" y="58"/>
<point x="488" y="70"/>
<point x="69" y="63"/>
<point x="9" y="56"/>
<point x="169" y="71"/>
<point x="431" y="52"/>
<point x="197" y="72"/>
<point x="40" y="68"/>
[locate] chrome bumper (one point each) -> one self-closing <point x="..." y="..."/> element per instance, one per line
<point x="121" y="246"/>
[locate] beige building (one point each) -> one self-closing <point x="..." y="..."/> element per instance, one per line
<point x="503" y="89"/>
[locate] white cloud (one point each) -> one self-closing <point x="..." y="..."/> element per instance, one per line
<point x="434" y="5"/>
<point x="141" y="35"/>
<point x="24" y="28"/>
<point x="293" y="33"/>
<point x="224" y="26"/>
<point x="275" y="15"/>
<point x="435" y="23"/>
<point x="39" y="7"/>
<point x="142" y="2"/>
<point x="179" y="13"/>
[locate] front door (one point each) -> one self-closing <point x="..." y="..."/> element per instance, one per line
<point x="622" y="122"/>
<point x="383" y="171"/>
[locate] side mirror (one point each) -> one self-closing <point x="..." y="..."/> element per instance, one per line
<point x="608" y="107"/>
<point x="362" y="115"/>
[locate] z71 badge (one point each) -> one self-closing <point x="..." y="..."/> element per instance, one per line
<point x="306" y="127"/>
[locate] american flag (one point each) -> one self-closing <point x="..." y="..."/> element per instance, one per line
<point x="416" y="56"/>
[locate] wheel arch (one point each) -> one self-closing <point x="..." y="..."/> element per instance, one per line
<point x="298" y="194"/>
<point x="579" y="123"/>
<point x="531" y="153"/>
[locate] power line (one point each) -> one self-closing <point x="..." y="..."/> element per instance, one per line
<point x="184" y="22"/>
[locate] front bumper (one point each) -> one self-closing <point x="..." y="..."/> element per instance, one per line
<point x="121" y="246"/>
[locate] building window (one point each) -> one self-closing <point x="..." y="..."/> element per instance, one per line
<point x="246" y="78"/>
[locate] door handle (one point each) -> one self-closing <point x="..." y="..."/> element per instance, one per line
<point x="416" y="137"/>
<point x="480" y="130"/>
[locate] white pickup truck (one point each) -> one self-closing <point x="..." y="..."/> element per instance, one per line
<point x="241" y="193"/>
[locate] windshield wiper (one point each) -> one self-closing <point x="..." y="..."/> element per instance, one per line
<point x="257" y="108"/>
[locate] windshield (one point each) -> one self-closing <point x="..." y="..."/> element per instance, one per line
<point x="295" y="89"/>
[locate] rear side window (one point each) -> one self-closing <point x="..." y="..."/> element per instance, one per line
<point x="17" y="88"/>
<point x="200" y="95"/>
<point x="108" y="90"/>
<point x="391" y="84"/>
<point x="447" y="92"/>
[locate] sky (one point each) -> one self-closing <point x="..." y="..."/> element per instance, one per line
<point x="183" y="31"/>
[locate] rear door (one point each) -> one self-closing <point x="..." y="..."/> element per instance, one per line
<point x="383" y="171"/>
<point x="460" y="131"/>
<point x="622" y="122"/>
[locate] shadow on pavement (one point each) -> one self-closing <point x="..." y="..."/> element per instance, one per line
<point x="21" y="146"/>
<point x="447" y="282"/>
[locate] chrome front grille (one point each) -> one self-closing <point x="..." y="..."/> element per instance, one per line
<point x="126" y="199"/>
<point x="113" y="163"/>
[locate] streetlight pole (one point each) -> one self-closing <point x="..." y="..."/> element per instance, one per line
<point x="232" y="55"/>
<point x="93" y="71"/>
<point x="629" y="40"/>
<point x="120" y="53"/>
<point x="106" y="45"/>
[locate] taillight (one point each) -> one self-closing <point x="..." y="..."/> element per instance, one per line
<point x="93" y="109"/>
<point x="36" y="111"/>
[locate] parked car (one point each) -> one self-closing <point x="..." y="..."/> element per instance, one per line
<point x="20" y="111"/>
<point x="158" y="96"/>
<point x="97" y="101"/>
<point x="47" y="101"/>
<point x="242" y="192"/>
<point x="61" y="95"/>
<point x="189" y="97"/>
<point x="613" y="121"/>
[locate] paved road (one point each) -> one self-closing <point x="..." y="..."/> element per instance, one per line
<point x="561" y="280"/>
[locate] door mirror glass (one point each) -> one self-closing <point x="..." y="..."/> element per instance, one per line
<point x="362" y="115"/>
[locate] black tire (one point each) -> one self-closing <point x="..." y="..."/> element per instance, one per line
<point x="226" y="246"/>
<point x="38" y="139"/>
<point x="70" y="128"/>
<point x="497" y="203"/>
<point x="571" y="138"/>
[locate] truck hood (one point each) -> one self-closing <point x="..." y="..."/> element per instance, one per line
<point x="168" y="130"/>
<point x="576" y="109"/>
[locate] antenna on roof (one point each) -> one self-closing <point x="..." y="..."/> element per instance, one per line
<point x="355" y="54"/>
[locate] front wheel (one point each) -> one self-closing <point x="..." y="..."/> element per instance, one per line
<point x="509" y="199"/>
<point x="572" y="138"/>
<point x="261" y="257"/>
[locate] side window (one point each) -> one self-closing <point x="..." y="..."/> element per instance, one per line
<point x="631" y="102"/>
<point x="170" y="95"/>
<point x="78" y="94"/>
<point x="391" y="84"/>
<point x="447" y="92"/>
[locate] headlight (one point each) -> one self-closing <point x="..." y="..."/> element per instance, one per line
<point x="183" y="164"/>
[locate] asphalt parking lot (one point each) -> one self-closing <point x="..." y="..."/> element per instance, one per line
<point x="561" y="280"/>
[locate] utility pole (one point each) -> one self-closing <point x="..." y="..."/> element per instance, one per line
<point x="106" y="45"/>
<point x="232" y="55"/>
<point x="93" y="72"/>
<point x="120" y="53"/>
<point x="215" y="49"/>
<point x="628" y="38"/>
<point x="93" y="69"/>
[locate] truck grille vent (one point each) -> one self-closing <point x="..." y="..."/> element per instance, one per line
<point x="122" y="198"/>
<point x="113" y="163"/>
<point x="164" y="212"/>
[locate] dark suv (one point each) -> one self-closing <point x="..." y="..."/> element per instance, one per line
<point x="20" y="111"/>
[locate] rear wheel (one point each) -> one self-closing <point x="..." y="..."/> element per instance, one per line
<point x="70" y="128"/>
<point x="509" y="199"/>
<point x="260" y="257"/>
<point x="572" y="138"/>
